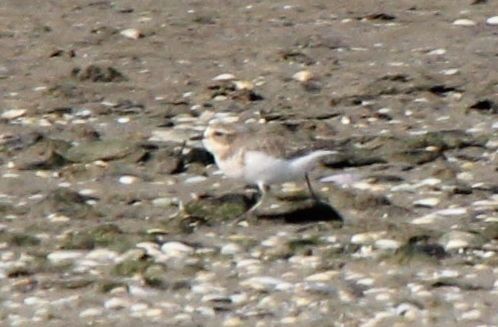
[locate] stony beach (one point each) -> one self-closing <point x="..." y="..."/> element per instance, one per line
<point x="113" y="214"/>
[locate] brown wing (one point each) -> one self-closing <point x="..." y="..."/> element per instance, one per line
<point x="273" y="139"/>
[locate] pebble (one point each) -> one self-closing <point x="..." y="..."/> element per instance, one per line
<point x="323" y="276"/>
<point x="408" y="310"/>
<point x="367" y="238"/>
<point x="169" y="135"/>
<point x="116" y="303"/>
<point x="233" y="322"/>
<point x="452" y="211"/>
<point x="91" y="312"/>
<point x="465" y="176"/>
<point x="224" y="77"/>
<point x="177" y="249"/>
<point x="162" y="202"/>
<point x="127" y="180"/>
<point x="123" y="120"/>
<point x="387" y="244"/>
<point x="464" y="22"/>
<point x="265" y="283"/>
<point x="102" y="255"/>
<point x="450" y="71"/>
<point x="131" y="33"/>
<point x="303" y="76"/>
<point x="460" y="240"/>
<point x="64" y="255"/>
<point x="230" y="249"/>
<point x="471" y="315"/>
<point x="13" y="114"/>
<point x="427" y="202"/>
<point x="244" y="85"/>
<point x="437" y="52"/>
<point x="492" y="20"/>
<point x="195" y="179"/>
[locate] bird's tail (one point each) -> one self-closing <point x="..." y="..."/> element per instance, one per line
<point x="305" y="163"/>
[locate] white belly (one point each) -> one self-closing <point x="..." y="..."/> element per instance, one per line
<point x="262" y="168"/>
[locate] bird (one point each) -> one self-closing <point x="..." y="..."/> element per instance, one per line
<point x="259" y="157"/>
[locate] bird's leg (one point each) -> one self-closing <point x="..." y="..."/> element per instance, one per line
<point x="310" y="189"/>
<point x="263" y="189"/>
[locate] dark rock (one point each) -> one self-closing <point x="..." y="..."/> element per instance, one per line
<point x="297" y="57"/>
<point x="379" y="16"/>
<point x="19" y="239"/>
<point x="44" y="154"/>
<point x="419" y="250"/>
<point x="485" y="106"/>
<point x="132" y="266"/>
<point x="198" y="155"/>
<point x="105" y="235"/>
<point x="65" y="90"/>
<point x="321" y="41"/>
<point x="164" y="161"/>
<point x="96" y="73"/>
<point x="219" y="209"/>
<point x="66" y="202"/>
<point x="367" y="150"/>
<point x="100" y="150"/>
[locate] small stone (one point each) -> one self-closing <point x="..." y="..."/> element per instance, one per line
<point x="449" y="71"/>
<point x="437" y="52"/>
<point x="195" y="179"/>
<point x="464" y="22"/>
<point x="427" y="202"/>
<point x="367" y="238"/>
<point x="127" y="180"/>
<point x="230" y="249"/>
<point x="131" y="33"/>
<point x="116" y="303"/>
<point x="387" y="244"/>
<point x="465" y="176"/>
<point x="61" y="256"/>
<point x="461" y="240"/>
<point x="176" y="249"/>
<point x="452" y="211"/>
<point x="408" y="310"/>
<point x="224" y="77"/>
<point x="90" y="312"/>
<point x="162" y="202"/>
<point x="323" y="276"/>
<point x="265" y="283"/>
<point x="13" y="114"/>
<point x="244" y="85"/>
<point x="169" y="135"/>
<point x="471" y="315"/>
<point x="102" y="255"/>
<point x="427" y="219"/>
<point x="233" y="322"/>
<point x="33" y="300"/>
<point x="154" y="312"/>
<point x="492" y="20"/>
<point x="123" y="120"/>
<point x="302" y="76"/>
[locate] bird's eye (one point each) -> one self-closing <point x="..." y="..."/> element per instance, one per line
<point x="218" y="134"/>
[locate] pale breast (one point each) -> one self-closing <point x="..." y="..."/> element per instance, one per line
<point x="232" y="166"/>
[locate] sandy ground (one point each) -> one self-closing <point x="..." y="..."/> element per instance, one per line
<point x="112" y="214"/>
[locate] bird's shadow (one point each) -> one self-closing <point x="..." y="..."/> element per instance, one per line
<point x="309" y="210"/>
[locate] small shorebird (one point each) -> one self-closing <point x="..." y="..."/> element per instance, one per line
<point x="258" y="157"/>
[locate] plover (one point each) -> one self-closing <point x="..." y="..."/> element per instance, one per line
<point x="257" y="157"/>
